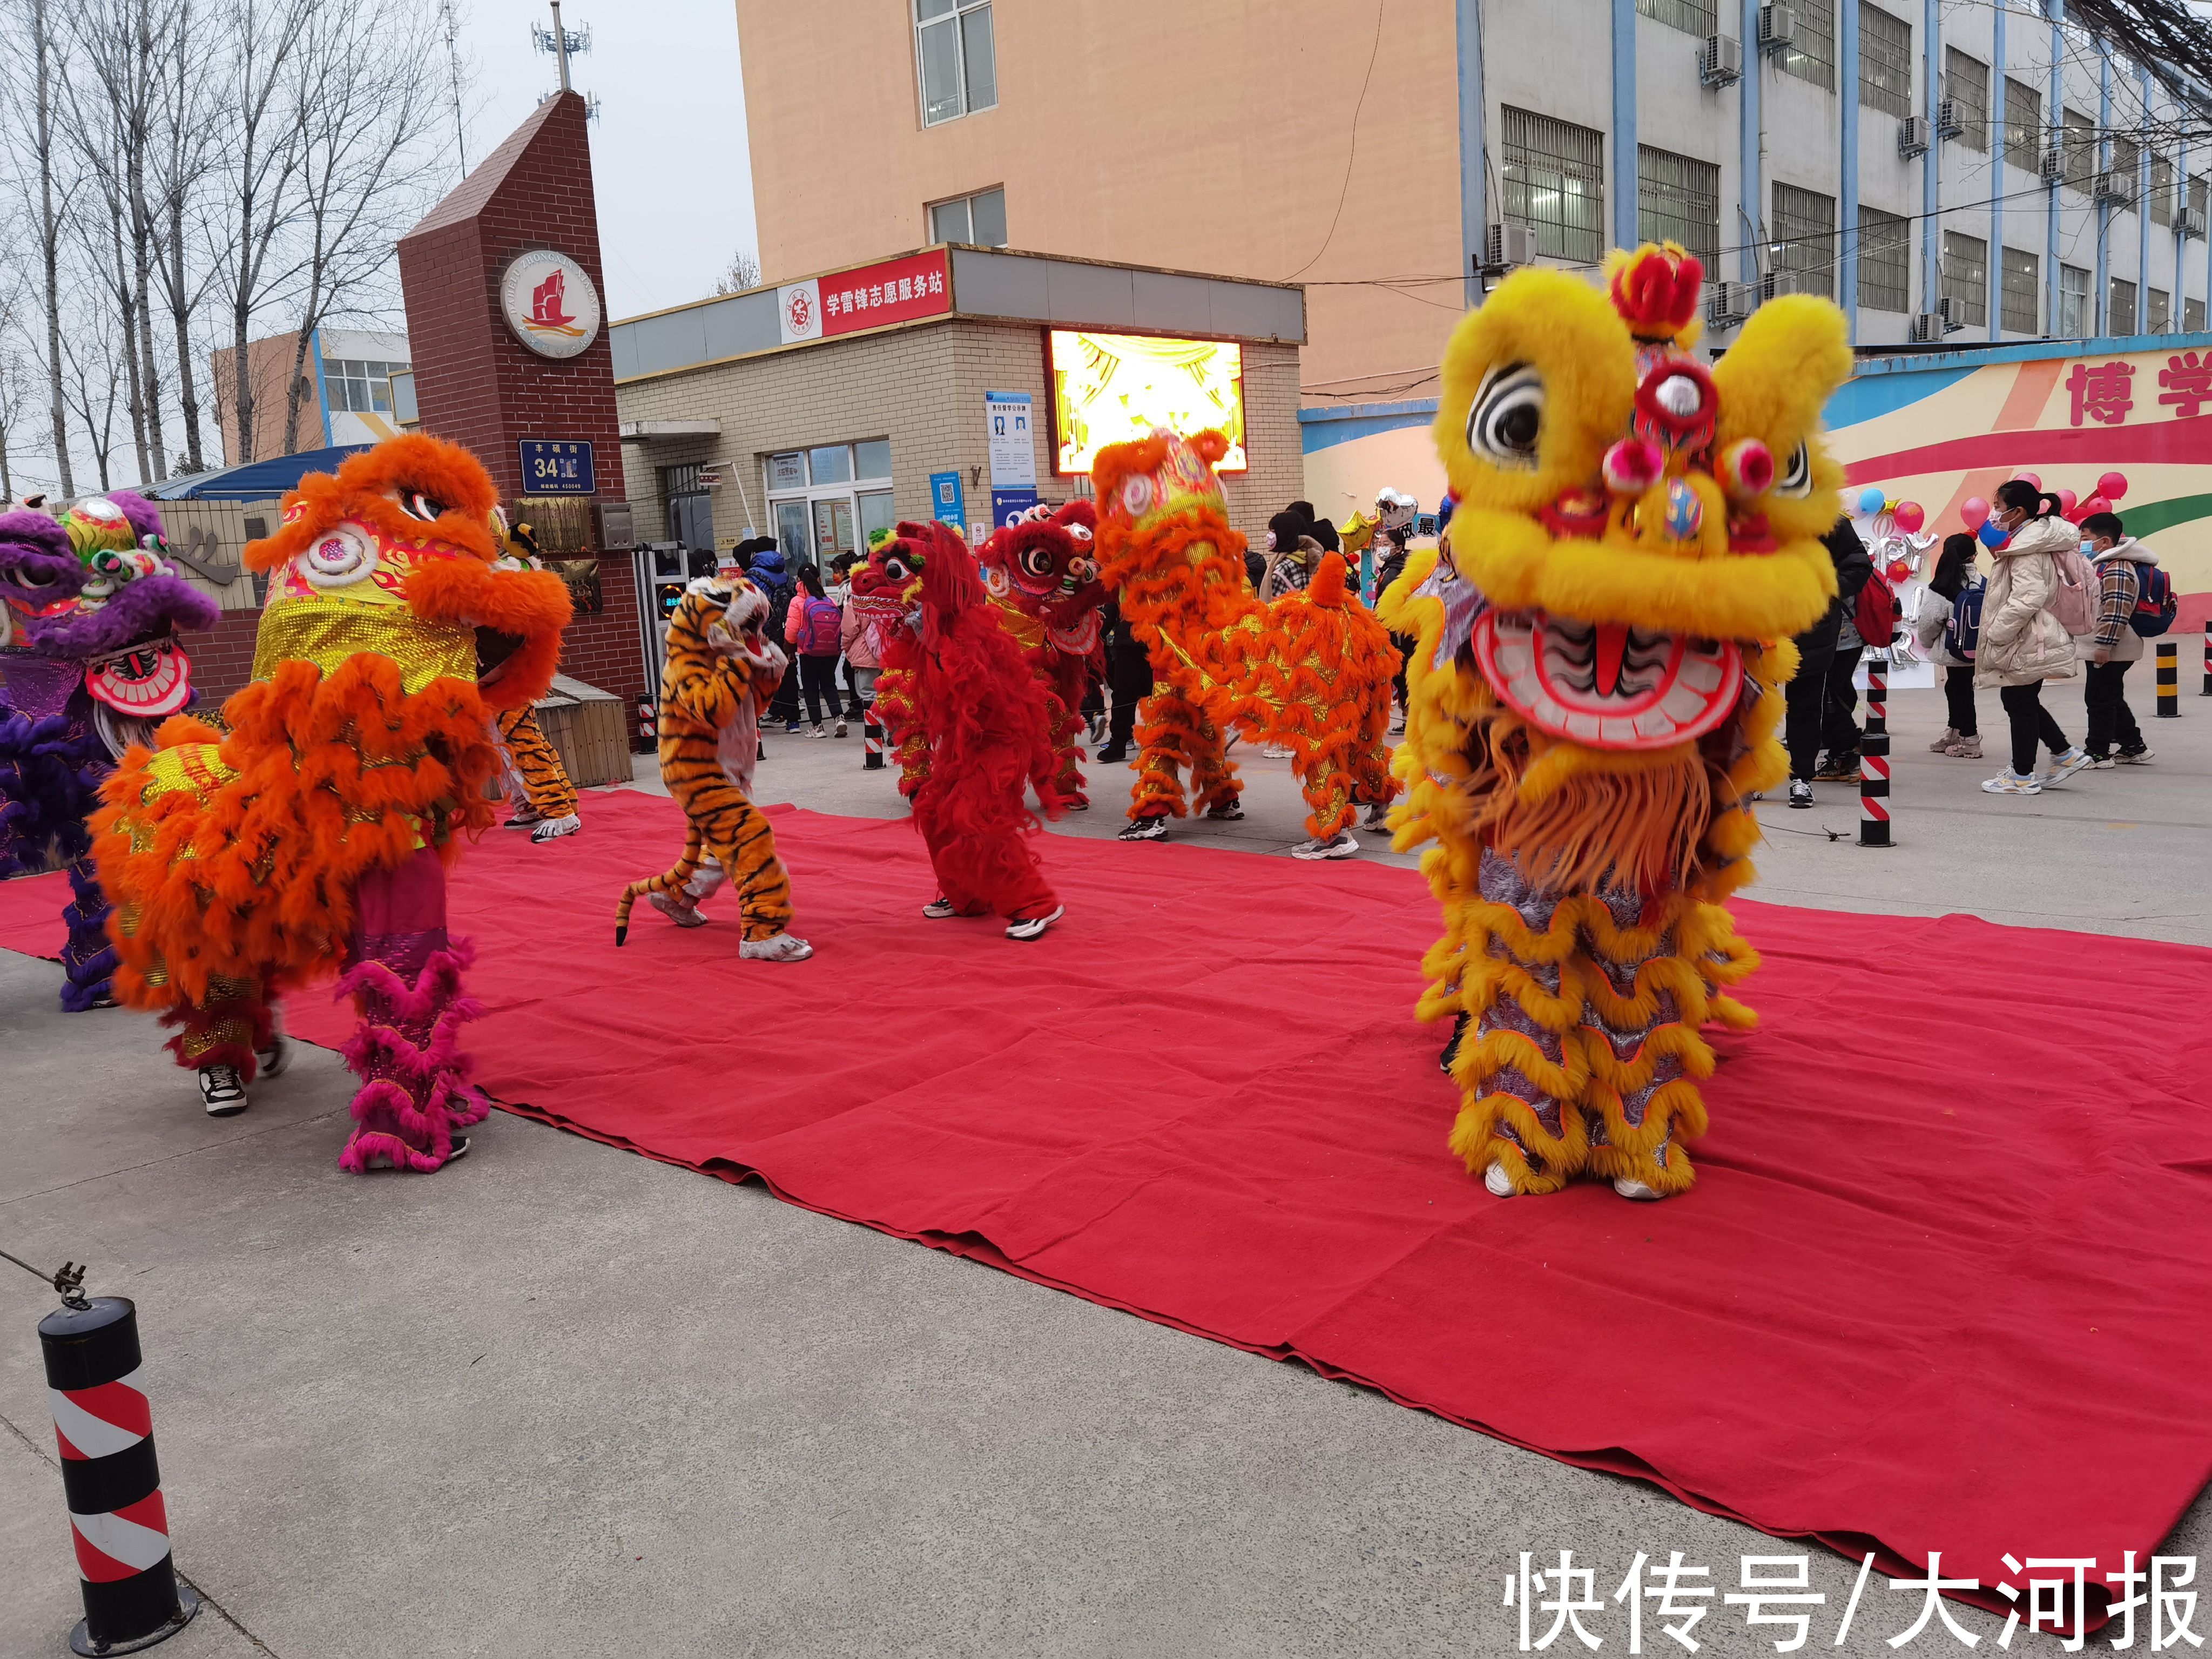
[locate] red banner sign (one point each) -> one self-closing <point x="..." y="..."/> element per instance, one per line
<point x="894" y="291"/>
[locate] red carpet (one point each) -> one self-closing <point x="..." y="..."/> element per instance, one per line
<point x="1941" y="1285"/>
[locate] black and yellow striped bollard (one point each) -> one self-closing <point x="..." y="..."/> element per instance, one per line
<point x="2169" y="680"/>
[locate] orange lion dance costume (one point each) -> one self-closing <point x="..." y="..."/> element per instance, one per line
<point x="313" y="838"/>
<point x="1603" y="638"/>
<point x="1311" y="669"/>
<point x="977" y="730"/>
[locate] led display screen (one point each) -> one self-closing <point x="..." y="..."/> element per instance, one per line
<point x="1114" y="388"/>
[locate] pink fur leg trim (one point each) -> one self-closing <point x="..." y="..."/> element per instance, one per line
<point x="414" y="1091"/>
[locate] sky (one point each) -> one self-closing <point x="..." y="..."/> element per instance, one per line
<point x="669" y="159"/>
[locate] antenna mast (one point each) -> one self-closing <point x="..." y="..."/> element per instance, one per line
<point x="452" y="25"/>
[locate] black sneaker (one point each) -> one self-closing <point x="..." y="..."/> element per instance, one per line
<point x="1147" y="829"/>
<point x="1459" y="1022"/>
<point x="221" y="1090"/>
<point x="1801" y="793"/>
<point x="1035" y="926"/>
<point x="1228" y="811"/>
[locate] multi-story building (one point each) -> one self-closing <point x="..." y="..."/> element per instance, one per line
<point x="348" y="397"/>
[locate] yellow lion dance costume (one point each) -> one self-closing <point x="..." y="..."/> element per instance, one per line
<point x="1603" y="638"/>
<point x="1311" y="669"/>
<point x="722" y="669"/>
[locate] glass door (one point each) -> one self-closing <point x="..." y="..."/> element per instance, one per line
<point x="791" y="531"/>
<point x="833" y="529"/>
<point x="876" y="514"/>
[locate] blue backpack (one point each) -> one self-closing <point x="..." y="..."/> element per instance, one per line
<point x="2155" y="605"/>
<point x="1963" y="632"/>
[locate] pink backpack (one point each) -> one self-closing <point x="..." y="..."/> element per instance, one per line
<point x="2073" y="601"/>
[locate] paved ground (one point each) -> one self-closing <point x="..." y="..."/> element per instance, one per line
<point x="558" y="1399"/>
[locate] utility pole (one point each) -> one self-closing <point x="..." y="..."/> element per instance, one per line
<point x="452" y="27"/>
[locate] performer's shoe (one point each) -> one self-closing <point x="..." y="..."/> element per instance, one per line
<point x="1227" y="811"/>
<point x="1338" y="846"/>
<point x="458" y="1149"/>
<point x="783" y="947"/>
<point x="1034" y="927"/>
<point x="1629" y="1186"/>
<point x="554" y="829"/>
<point x="682" y="913"/>
<point x="1801" y="793"/>
<point x="1276" y="751"/>
<point x="1460" y="1023"/>
<point x="1113" y="754"/>
<point x="524" y="819"/>
<point x="1499" y="1183"/>
<point x="1378" y="816"/>
<point x="272" y="1060"/>
<point x="939" y="909"/>
<point x="1154" y="828"/>
<point x="221" y="1091"/>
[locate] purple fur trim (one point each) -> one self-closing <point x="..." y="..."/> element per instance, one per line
<point x="34" y="542"/>
<point x="145" y="517"/>
<point x="407" y="1053"/>
<point x="88" y="958"/>
<point x="139" y="610"/>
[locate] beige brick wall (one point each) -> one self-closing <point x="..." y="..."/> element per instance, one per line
<point x="923" y="389"/>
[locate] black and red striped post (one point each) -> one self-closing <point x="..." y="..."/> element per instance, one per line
<point x="872" y="749"/>
<point x="1874" y="758"/>
<point x="647" y="737"/>
<point x="105" y="1428"/>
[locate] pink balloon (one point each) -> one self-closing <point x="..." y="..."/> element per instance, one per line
<point x="1908" y="517"/>
<point x="1973" y="513"/>
<point x="2029" y="479"/>
<point x="2066" y="500"/>
<point x="2094" y="504"/>
<point x="2112" y="486"/>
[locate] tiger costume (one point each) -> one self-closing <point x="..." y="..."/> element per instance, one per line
<point x="722" y="669"/>
<point x="537" y="783"/>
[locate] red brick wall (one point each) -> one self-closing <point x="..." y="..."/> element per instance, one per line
<point x="604" y="650"/>
<point x="222" y="657"/>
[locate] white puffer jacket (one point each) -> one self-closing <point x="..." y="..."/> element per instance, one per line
<point x="2022" y="642"/>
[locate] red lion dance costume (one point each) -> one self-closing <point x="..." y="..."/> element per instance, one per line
<point x="1044" y="580"/>
<point x="973" y="734"/>
<point x="313" y="838"/>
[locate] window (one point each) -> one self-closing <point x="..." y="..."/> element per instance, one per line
<point x="959" y="69"/>
<point x="1967" y="84"/>
<point x="1966" y="278"/>
<point x="827" y="499"/>
<point x="2073" y="303"/>
<point x="2161" y="192"/>
<point x="2198" y="189"/>
<point x="361" y="384"/>
<point x="2120" y="309"/>
<point x="1885" y="61"/>
<point x="872" y="459"/>
<point x="2161" y="319"/>
<point x="1812" y="54"/>
<point x="2078" y="137"/>
<point x="2022" y="291"/>
<point x="1693" y="16"/>
<point x="1885" y="260"/>
<point x="1555" y="182"/>
<point x="2023" y="134"/>
<point x="832" y="464"/>
<point x="1804" y="241"/>
<point x="688" y="507"/>
<point x="1679" y="199"/>
<point x="2127" y="159"/>
<point x="2192" y="316"/>
<point x="980" y="218"/>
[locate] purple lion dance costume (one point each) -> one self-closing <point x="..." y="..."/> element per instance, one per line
<point x="90" y="664"/>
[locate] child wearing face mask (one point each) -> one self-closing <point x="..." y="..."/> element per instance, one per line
<point x="1955" y="590"/>
<point x="2116" y="647"/>
<point x="2023" y="644"/>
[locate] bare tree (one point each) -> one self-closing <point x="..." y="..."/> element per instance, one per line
<point x="91" y="356"/>
<point x="37" y="68"/>
<point x="368" y="162"/>
<point x="741" y="272"/>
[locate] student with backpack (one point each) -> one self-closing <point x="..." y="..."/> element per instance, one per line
<point x="2135" y="602"/>
<point x="814" y="624"/>
<point x="1805" y="695"/>
<point x="2029" y="617"/>
<point x="1947" y="631"/>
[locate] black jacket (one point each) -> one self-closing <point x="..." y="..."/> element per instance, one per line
<point x="1853" y="568"/>
<point x="1128" y="665"/>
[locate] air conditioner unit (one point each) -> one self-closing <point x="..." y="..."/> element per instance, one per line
<point x="1729" y="304"/>
<point x="2117" y="187"/>
<point x="2051" y="165"/>
<point x="1912" y="136"/>
<point x="1927" y="328"/>
<point x="1952" y="313"/>
<point x="1510" y="243"/>
<point x="1777" y="28"/>
<point x="1721" y="63"/>
<point x="1948" y="122"/>
<point x="2192" y="222"/>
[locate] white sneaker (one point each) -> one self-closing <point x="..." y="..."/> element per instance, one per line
<point x="840" y="730"/>
<point x="1629" y="1187"/>
<point x="784" y="947"/>
<point x="938" y="908"/>
<point x="221" y="1091"/>
<point x="272" y="1061"/>
<point x="1153" y="828"/>
<point x="1035" y="926"/>
<point x="2134" y="757"/>
<point x="2063" y="767"/>
<point x="818" y="732"/>
<point x="554" y="829"/>
<point x="1339" y="845"/>
<point x="682" y="913"/>
<point x="1274" y="752"/>
<point x="2009" y="782"/>
<point x="1499" y="1183"/>
<point x="1230" y="812"/>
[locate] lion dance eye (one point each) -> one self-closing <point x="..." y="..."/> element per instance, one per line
<point x="896" y="569"/>
<point x="1081" y="531"/>
<point x="1507" y="417"/>
<point x="30" y="580"/>
<point x="1035" y="561"/>
<point x="416" y="505"/>
<point x="1795" y="477"/>
<point x="339" y="558"/>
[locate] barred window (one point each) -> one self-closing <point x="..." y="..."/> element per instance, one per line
<point x="1804" y="240"/>
<point x="2192" y="316"/>
<point x="1693" y="16"/>
<point x="2120" y="309"/>
<point x="1812" y="53"/>
<point x="2073" y="302"/>
<point x="2023" y="142"/>
<point x="2161" y="312"/>
<point x="2023" y="290"/>
<point x="1555" y="182"/>
<point x="2078" y="138"/>
<point x="1967" y="84"/>
<point x="2199" y="187"/>
<point x="1885" y="61"/>
<point x="1678" y="199"/>
<point x="1885" y="260"/>
<point x="2127" y="168"/>
<point x="2161" y="191"/>
<point x="1966" y="278"/>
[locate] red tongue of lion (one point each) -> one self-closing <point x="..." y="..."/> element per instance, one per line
<point x="1612" y="643"/>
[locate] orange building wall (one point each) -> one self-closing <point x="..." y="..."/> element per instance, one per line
<point x="1207" y="137"/>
